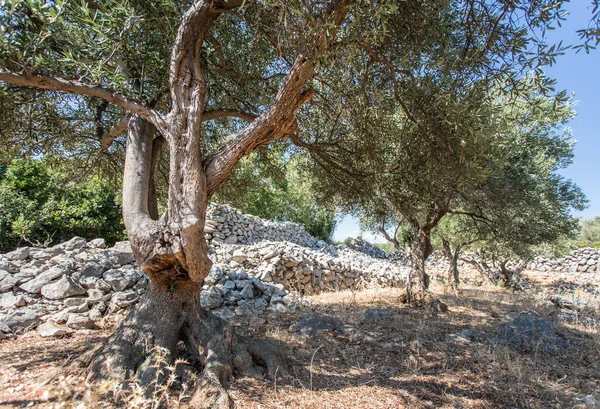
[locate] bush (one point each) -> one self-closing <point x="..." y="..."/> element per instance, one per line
<point x="39" y="205"/>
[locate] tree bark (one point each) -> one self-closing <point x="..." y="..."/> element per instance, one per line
<point x="452" y="280"/>
<point x="418" y="280"/>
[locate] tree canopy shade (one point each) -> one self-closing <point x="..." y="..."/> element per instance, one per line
<point x="211" y="81"/>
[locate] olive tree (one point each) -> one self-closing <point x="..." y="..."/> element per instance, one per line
<point x="209" y="82"/>
<point x="169" y="71"/>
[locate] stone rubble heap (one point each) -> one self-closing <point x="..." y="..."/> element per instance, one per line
<point x="367" y="248"/>
<point x="226" y="224"/>
<point x="308" y="271"/>
<point x="585" y="260"/>
<point x="79" y="284"/>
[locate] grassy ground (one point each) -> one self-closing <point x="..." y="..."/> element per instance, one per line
<point x="405" y="361"/>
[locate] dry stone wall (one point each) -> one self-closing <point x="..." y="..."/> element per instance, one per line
<point x="585" y="260"/>
<point x="258" y="265"/>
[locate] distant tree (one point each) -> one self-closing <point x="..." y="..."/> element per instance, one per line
<point x="525" y="204"/>
<point x="590" y="233"/>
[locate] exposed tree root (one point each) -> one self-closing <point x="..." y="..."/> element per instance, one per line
<point x="146" y="343"/>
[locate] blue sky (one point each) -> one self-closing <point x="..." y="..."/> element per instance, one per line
<point x="579" y="74"/>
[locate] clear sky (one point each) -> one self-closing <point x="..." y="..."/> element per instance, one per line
<point x="577" y="73"/>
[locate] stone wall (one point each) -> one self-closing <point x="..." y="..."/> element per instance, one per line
<point x="258" y="265"/>
<point x="226" y="224"/>
<point x="579" y="260"/>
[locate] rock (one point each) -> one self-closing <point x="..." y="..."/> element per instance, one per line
<point x="120" y="254"/>
<point x="93" y="269"/>
<point x="50" y="329"/>
<point x="118" y="280"/>
<point x="7" y="280"/>
<point x="63" y="288"/>
<point x="533" y="334"/>
<point x="95" y="296"/>
<point x="75" y="243"/>
<point x="124" y="299"/>
<point x="78" y="321"/>
<point x="231" y="239"/>
<point x="239" y="256"/>
<point x="34" y="286"/>
<point x="9" y="266"/>
<point x="9" y="300"/>
<point x="211" y="299"/>
<point x="96" y="244"/>
<point x="315" y="323"/>
<point x="248" y="291"/>
<point x="19" y="254"/>
<point x="22" y="319"/>
<point x="75" y="301"/>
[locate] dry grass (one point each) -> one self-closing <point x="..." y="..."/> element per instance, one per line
<point x="408" y="363"/>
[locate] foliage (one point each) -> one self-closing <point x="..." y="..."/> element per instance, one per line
<point x="590" y="233"/>
<point x="39" y="204"/>
<point x="274" y="186"/>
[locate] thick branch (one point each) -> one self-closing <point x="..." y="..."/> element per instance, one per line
<point x="210" y="115"/>
<point x="79" y="88"/>
<point x="109" y="136"/>
<point x="276" y="122"/>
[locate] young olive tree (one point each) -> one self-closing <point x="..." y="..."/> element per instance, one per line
<point x="526" y="203"/>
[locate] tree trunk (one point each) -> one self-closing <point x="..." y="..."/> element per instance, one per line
<point x="418" y="280"/>
<point x="452" y="277"/>
<point x="170" y="310"/>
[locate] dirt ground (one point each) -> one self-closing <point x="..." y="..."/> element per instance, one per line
<point x="408" y="360"/>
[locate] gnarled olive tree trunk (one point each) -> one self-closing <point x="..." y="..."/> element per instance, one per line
<point x="171" y="249"/>
<point x="173" y="252"/>
<point x="452" y="279"/>
<point x="418" y="279"/>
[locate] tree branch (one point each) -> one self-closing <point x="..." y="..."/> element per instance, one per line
<point x="109" y="136"/>
<point x="281" y="116"/>
<point x="210" y="115"/>
<point x="79" y="88"/>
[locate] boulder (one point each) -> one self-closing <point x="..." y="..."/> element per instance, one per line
<point x="531" y="333"/>
<point x="63" y="288"/>
<point x="34" y="286"/>
<point x="51" y="329"/>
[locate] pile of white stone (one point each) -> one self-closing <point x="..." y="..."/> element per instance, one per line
<point x="579" y="260"/>
<point x="367" y="248"/>
<point x="80" y="285"/>
<point x="226" y="224"/>
<point x="308" y="271"/>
